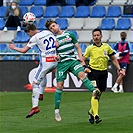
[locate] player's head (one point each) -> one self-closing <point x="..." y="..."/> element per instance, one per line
<point x="30" y="30"/>
<point x="123" y="36"/>
<point x="97" y="35"/>
<point x="52" y="26"/>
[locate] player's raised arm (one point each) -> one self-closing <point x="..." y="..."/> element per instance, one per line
<point x="21" y="50"/>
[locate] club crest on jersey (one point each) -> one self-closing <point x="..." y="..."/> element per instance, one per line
<point x="68" y="39"/>
<point x="105" y="53"/>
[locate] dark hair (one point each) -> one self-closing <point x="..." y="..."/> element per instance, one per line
<point x="30" y="27"/>
<point x="97" y="29"/>
<point x="123" y="33"/>
<point x="49" y="22"/>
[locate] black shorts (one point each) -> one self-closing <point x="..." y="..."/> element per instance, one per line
<point x="100" y="77"/>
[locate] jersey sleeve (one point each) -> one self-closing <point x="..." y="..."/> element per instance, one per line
<point x="110" y="51"/>
<point x="32" y="42"/>
<point x="73" y="38"/>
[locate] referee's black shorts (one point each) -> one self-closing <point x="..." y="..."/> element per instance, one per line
<point x="100" y="77"/>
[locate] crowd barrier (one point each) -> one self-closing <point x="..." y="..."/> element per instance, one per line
<point x="18" y="75"/>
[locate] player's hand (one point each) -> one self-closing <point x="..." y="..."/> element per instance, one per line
<point x="120" y="57"/>
<point x="57" y="57"/>
<point x="12" y="46"/>
<point x="80" y="60"/>
<point x="87" y="70"/>
<point x="121" y="71"/>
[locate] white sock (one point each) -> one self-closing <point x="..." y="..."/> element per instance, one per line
<point x="35" y="96"/>
<point x="42" y="85"/>
<point x="121" y="87"/>
<point x="115" y="85"/>
<point x="56" y="110"/>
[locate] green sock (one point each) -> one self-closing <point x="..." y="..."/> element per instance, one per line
<point x="88" y="84"/>
<point x="57" y="98"/>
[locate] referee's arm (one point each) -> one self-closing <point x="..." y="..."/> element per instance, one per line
<point x="115" y="62"/>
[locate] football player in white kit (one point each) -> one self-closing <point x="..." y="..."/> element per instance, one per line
<point x="46" y="42"/>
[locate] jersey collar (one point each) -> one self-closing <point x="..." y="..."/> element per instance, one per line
<point x="97" y="46"/>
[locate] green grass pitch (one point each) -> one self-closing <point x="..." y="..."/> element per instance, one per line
<point x="116" y="111"/>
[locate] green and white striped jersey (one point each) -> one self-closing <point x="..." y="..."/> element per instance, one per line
<point x="66" y="41"/>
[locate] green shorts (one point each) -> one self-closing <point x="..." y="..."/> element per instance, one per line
<point x="63" y="68"/>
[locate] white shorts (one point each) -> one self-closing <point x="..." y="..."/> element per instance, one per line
<point x="45" y="66"/>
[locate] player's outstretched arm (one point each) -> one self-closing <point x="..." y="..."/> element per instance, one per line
<point x="21" y="50"/>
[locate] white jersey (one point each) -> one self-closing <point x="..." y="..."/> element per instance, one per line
<point x="44" y="40"/>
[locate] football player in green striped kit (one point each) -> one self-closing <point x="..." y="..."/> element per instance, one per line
<point x="68" y="63"/>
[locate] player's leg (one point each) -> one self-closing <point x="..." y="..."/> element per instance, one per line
<point x="121" y="90"/>
<point x="61" y="74"/>
<point x="35" y="96"/>
<point x="77" y="69"/>
<point x="50" y="67"/>
<point x="57" y="100"/>
<point x="42" y="87"/>
<point x="119" y="79"/>
<point x="88" y="84"/>
<point x="94" y="102"/>
<point x="41" y="72"/>
<point x="100" y="81"/>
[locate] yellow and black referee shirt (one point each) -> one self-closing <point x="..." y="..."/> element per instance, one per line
<point x="98" y="56"/>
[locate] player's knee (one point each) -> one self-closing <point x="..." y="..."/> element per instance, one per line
<point x="81" y="75"/>
<point x="34" y="85"/>
<point x="60" y="86"/>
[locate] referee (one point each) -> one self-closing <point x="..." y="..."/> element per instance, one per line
<point x="98" y="53"/>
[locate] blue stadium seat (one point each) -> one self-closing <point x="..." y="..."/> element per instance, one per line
<point x="112" y="45"/>
<point x="98" y="12"/>
<point x="83" y="47"/>
<point x="3" y="48"/>
<point x="2" y="23"/>
<point x="123" y="24"/>
<point x="127" y="15"/>
<point x="24" y="9"/>
<point x="66" y="12"/>
<point x="37" y="10"/>
<point x="2" y="11"/>
<point x="37" y="58"/>
<point x="41" y="23"/>
<point x="51" y="12"/>
<point x="107" y="24"/>
<point x="25" y="57"/>
<point x="82" y="12"/>
<point x="33" y="50"/>
<point x="113" y="11"/>
<point x="8" y="58"/>
<point x="63" y="23"/>
<point x="26" y="2"/>
<point x="21" y="37"/>
<point x="40" y="2"/>
<point x="70" y="2"/>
